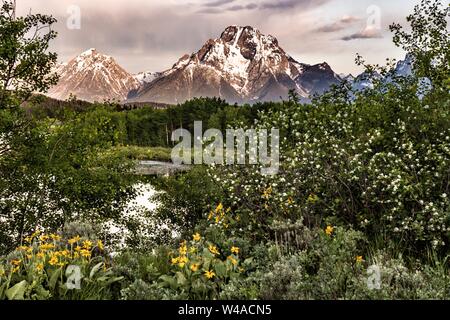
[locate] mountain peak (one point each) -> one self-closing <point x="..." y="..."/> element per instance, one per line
<point x="89" y="52"/>
<point x="242" y="65"/>
<point x="93" y="76"/>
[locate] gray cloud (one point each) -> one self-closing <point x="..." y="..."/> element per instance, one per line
<point x="290" y="4"/>
<point x="367" y="33"/>
<point x="210" y="11"/>
<point x="332" y="27"/>
<point x="218" y="3"/>
<point x="250" y="6"/>
<point x="339" y="25"/>
<point x="349" y="19"/>
<point x="279" y="5"/>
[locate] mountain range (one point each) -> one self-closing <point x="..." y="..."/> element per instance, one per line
<point x="241" y="66"/>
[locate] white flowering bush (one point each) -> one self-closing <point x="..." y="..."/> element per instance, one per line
<point x="379" y="162"/>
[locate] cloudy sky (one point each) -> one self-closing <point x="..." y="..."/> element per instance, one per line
<point x="150" y="35"/>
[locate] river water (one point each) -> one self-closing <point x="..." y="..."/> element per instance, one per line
<point x="138" y="211"/>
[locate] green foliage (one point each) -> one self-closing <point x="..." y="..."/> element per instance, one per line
<point x="428" y="42"/>
<point x="54" y="267"/>
<point x="376" y="160"/>
<point x="198" y="269"/>
<point x="25" y="62"/>
<point x="184" y="198"/>
<point x="144" y="153"/>
<point x="60" y="171"/>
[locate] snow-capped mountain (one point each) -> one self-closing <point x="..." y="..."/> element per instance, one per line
<point x="93" y="76"/>
<point x="147" y="76"/>
<point x="403" y="68"/>
<point x="243" y="65"/>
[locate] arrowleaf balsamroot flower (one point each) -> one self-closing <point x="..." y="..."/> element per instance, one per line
<point x="329" y="230"/>
<point x="74" y="240"/>
<point x="195" y="267"/>
<point x="197" y="237"/>
<point x="213" y="249"/>
<point x="235" y="250"/>
<point x="210" y="274"/>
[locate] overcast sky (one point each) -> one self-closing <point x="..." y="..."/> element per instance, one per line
<point x="150" y="35"/>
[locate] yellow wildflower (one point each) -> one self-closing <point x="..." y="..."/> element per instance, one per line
<point x="16" y="269"/>
<point x="40" y="267"/>
<point x="213" y="249"/>
<point x="182" y="261"/>
<point x="175" y="261"/>
<point x="74" y="240"/>
<point x="359" y="259"/>
<point x="290" y="201"/>
<point x="35" y="234"/>
<point x="194" y="267"/>
<point x="100" y="245"/>
<point x="16" y="262"/>
<point x="46" y="246"/>
<point x="44" y="237"/>
<point x="55" y="237"/>
<point x="210" y="274"/>
<point x="87" y="244"/>
<point x="313" y="198"/>
<point x="53" y="261"/>
<point x="65" y="253"/>
<point x="183" y="250"/>
<point x="329" y="230"/>
<point x="235" y="250"/>
<point x="40" y="255"/>
<point x="233" y="260"/>
<point x="219" y="207"/>
<point x="267" y="193"/>
<point x="85" y="253"/>
<point x="192" y="249"/>
<point x="197" y="237"/>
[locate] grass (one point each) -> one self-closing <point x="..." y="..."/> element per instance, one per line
<point x="144" y="153"/>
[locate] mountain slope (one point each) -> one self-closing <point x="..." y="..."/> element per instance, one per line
<point x="242" y="65"/>
<point x="93" y="76"/>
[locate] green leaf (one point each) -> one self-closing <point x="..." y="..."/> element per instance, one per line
<point x="17" y="291"/>
<point x="54" y="279"/>
<point x="181" y="279"/>
<point x="248" y="261"/>
<point x="95" y="269"/>
<point x="170" y="281"/>
<point x="221" y="270"/>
